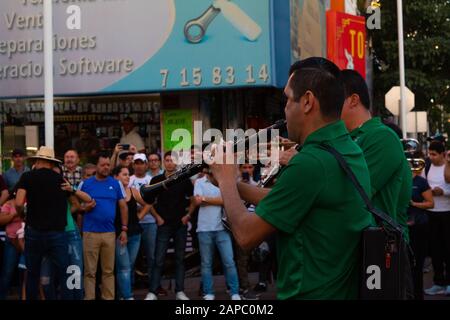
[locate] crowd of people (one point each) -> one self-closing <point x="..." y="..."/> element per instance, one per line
<point x="85" y="226"/>
<point x="75" y="232"/>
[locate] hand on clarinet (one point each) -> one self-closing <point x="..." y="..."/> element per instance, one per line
<point x="223" y="167"/>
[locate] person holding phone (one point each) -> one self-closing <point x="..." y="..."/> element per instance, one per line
<point x="247" y="170"/>
<point x="123" y="155"/>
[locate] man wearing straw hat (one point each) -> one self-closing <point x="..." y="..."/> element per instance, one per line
<point x="46" y="218"/>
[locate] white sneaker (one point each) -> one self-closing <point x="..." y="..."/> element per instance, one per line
<point x="236" y="297"/>
<point x="435" y="290"/>
<point x="209" y="297"/>
<point x="181" y="296"/>
<point x="447" y="291"/>
<point x="130" y="298"/>
<point x="151" y="296"/>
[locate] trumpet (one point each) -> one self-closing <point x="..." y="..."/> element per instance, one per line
<point x="150" y="192"/>
<point x="410" y="147"/>
<point x="283" y="145"/>
<point x="417" y="164"/>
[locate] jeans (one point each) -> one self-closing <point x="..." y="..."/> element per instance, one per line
<point x="76" y="265"/>
<point x="148" y="239"/>
<point x="208" y="241"/>
<point x="47" y="280"/>
<point x="125" y="259"/>
<point x="10" y="260"/>
<point x="74" y="271"/>
<point x="39" y="244"/>
<point x="179" y="235"/>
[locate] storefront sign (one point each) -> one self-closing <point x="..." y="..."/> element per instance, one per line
<point x="127" y="46"/>
<point x="173" y="120"/>
<point x="346" y="42"/>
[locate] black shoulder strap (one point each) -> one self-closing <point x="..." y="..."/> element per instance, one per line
<point x="379" y="215"/>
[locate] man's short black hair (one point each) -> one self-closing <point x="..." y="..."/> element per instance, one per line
<point x="325" y="86"/>
<point x="18" y="152"/>
<point x="102" y="154"/>
<point x="316" y="63"/>
<point x="354" y="83"/>
<point x="154" y="153"/>
<point x="128" y="119"/>
<point x="436" y="146"/>
<point x="170" y="153"/>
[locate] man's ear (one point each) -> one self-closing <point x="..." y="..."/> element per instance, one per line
<point x="309" y="101"/>
<point x="354" y="101"/>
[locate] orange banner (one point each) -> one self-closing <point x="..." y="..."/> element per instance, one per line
<point x="346" y="41"/>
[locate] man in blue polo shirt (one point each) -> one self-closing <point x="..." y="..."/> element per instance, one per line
<point x="99" y="236"/>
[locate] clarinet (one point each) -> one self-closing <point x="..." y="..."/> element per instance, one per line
<point x="150" y="192"/>
<point x="263" y="183"/>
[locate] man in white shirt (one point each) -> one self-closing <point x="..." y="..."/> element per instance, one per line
<point x="131" y="136"/>
<point x="439" y="220"/>
<point x="140" y="176"/>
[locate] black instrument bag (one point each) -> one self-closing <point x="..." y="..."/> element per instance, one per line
<point x="386" y="256"/>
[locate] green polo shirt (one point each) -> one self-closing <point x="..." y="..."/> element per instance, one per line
<point x="390" y="173"/>
<point x="320" y="216"/>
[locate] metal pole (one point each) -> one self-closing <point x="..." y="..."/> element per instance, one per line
<point x="417" y="124"/>
<point x="401" y="56"/>
<point x="48" y="73"/>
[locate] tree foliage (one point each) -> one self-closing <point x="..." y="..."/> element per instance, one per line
<point x="427" y="55"/>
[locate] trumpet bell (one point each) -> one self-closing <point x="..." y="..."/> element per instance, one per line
<point x="417" y="165"/>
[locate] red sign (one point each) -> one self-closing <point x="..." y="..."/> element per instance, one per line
<point x="346" y="41"/>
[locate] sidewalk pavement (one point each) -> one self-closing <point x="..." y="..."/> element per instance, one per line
<point x="192" y="286"/>
<point x="192" y="289"/>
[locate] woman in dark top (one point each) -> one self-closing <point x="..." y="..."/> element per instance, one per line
<point x="421" y="200"/>
<point x="126" y="254"/>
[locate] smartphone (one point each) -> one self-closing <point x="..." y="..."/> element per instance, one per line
<point x="245" y="176"/>
<point x="125" y="146"/>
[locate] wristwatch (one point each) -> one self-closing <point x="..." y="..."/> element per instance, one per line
<point x="125" y="228"/>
